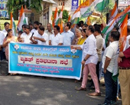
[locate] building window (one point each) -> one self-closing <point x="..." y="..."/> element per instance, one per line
<point x="61" y="2"/>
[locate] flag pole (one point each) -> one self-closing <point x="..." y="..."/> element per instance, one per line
<point x="107" y="16"/>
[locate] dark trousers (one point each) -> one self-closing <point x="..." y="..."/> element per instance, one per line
<point x="97" y="70"/>
<point x="2" y="55"/>
<point x="111" y="87"/>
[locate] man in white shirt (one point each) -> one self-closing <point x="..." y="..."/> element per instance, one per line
<point x="68" y="35"/>
<point x="99" y="44"/>
<point x="2" y="37"/>
<point x="110" y="66"/>
<point x="41" y="38"/>
<point x="56" y="39"/>
<point x="36" y="26"/>
<point x="6" y="25"/>
<point x="27" y="35"/>
<point x="90" y="60"/>
<point x="49" y="30"/>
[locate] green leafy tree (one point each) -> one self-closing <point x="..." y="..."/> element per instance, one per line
<point x="15" y="5"/>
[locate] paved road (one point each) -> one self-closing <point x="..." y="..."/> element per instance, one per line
<point x="30" y="90"/>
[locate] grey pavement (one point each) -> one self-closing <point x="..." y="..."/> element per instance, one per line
<point x="30" y="90"/>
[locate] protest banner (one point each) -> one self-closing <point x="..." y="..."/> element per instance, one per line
<point x="50" y="61"/>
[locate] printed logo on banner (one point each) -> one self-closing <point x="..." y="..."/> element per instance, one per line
<point x="74" y="5"/>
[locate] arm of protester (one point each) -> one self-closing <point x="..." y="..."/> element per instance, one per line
<point x="50" y="42"/>
<point x="107" y="62"/>
<point x="87" y="56"/>
<point x="119" y="59"/>
<point x="109" y="55"/>
<point x="5" y="43"/>
<point x="41" y="39"/>
<point x="61" y="40"/>
<point x="33" y="41"/>
<point x="121" y="54"/>
<point x="76" y="47"/>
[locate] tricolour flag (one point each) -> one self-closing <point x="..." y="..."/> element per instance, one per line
<point x="95" y="6"/>
<point x="59" y="20"/>
<point x="79" y="11"/>
<point x="69" y="18"/>
<point x="118" y="19"/>
<point x="101" y="5"/>
<point x="55" y="16"/>
<point x="12" y="24"/>
<point x="75" y="18"/>
<point x="85" y="8"/>
<point x="114" y="11"/>
<point x="22" y="19"/>
<point x="88" y="22"/>
<point x="123" y="33"/>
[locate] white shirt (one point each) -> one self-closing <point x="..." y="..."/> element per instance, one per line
<point x="89" y="47"/>
<point x="33" y="30"/>
<point x="67" y="37"/>
<point x="36" y="33"/>
<point x="26" y="38"/>
<point x="2" y="37"/>
<point x="55" y="40"/>
<point x="49" y="33"/>
<point x="44" y="36"/>
<point x="5" y="32"/>
<point x="111" y="52"/>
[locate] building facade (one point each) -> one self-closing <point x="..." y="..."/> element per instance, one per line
<point x="45" y="16"/>
<point x="59" y="3"/>
<point x="123" y="4"/>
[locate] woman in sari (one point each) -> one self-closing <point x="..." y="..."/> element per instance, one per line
<point x="9" y="38"/>
<point x="84" y="37"/>
<point x="78" y="36"/>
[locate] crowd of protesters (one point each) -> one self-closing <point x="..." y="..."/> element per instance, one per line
<point x="96" y="53"/>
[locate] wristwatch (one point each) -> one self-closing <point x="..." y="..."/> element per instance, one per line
<point x="84" y="59"/>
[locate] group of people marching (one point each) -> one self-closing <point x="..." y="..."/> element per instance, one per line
<point x="90" y="40"/>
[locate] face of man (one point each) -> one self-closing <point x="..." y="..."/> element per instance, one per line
<point x="40" y="32"/>
<point x="49" y="27"/>
<point x="24" y="29"/>
<point x="110" y="38"/>
<point x="7" y="27"/>
<point x="27" y="31"/>
<point x="55" y="31"/>
<point x="87" y="31"/>
<point x="31" y="27"/>
<point x="66" y="28"/>
<point x="35" y="26"/>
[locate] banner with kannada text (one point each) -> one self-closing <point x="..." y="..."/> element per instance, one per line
<point x="50" y="61"/>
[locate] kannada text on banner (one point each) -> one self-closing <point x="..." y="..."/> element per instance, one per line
<point x="51" y="61"/>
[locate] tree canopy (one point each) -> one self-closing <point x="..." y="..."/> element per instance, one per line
<point x="14" y="5"/>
